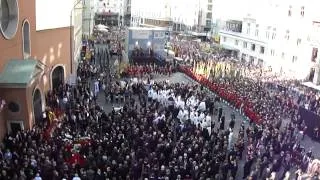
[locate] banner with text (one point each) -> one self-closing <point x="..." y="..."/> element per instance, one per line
<point x="140" y="34"/>
<point x="159" y="35"/>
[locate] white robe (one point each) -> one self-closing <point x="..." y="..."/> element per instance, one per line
<point x="154" y="96"/>
<point x="150" y="93"/>
<point x="201" y="117"/>
<point x="192" y="116"/>
<point x="181" y="104"/>
<point x="186" y="114"/>
<point x="180" y="115"/>
<point x="202" y="106"/>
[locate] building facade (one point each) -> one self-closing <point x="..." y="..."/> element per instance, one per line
<point x="153" y="13"/>
<point x="35" y="45"/>
<point x="88" y="17"/>
<point x="111" y="9"/>
<point x="77" y="34"/>
<point x="281" y="40"/>
<point x="127" y="12"/>
<point x="315" y="46"/>
<point x="180" y="15"/>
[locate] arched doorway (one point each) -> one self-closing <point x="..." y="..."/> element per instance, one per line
<point x="57" y="77"/>
<point x="37" y="107"/>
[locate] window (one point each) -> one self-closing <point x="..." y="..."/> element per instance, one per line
<point x="9" y="18"/>
<point x="261" y="49"/>
<point x="268" y="32"/>
<point x="248" y="28"/>
<point x="272" y="52"/>
<point x="256" y="33"/>
<point x="282" y="55"/>
<point x="14" y="107"/>
<point x="287" y="36"/>
<point x="245" y="44"/>
<point x="257" y="30"/>
<point x="253" y="47"/>
<point x="236" y="42"/>
<point x="209" y="15"/>
<point x="209" y="7"/>
<point x="302" y="11"/>
<point x="208" y="23"/>
<point x="290" y="11"/>
<point x="26" y="39"/>
<point x="274" y="33"/>
<point x="298" y="42"/>
<point x="224" y="39"/>
<point x="314" y="54"/>
<point x="294" y="59"/>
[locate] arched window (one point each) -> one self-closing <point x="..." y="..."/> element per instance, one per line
<point x="9" y="18"/>
<point x="26" y="39"/>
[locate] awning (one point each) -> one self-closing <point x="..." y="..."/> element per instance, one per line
<point x="19" y="73"/>
<point x="229" y="47"/>
<point x="311" y="85"/>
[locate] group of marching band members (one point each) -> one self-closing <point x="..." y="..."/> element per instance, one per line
<point x="140" y="70"/>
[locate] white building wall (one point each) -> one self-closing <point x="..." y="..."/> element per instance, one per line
<point x="76" y="19"/>
<point x="286" y="37"/>
<point x="151" y="9"/>
<point x="47" y="16"/>
<point x="62" y="13"/>
<point x="115" y="6"/>
<point x="180" y="11"/>
<point x="88" y="17"/>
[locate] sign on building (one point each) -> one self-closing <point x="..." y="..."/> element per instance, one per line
<point x="159" y="35"/>
<point x="140" y="34"/>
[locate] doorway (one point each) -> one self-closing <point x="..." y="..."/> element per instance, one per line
<point x="243" y="58"/>
<point x="15" y="126"/>
<point x="251" y="60"/>
<point x="260" y="62"/>
<point x="37" y="107"/>
<point x="57" y="77"/>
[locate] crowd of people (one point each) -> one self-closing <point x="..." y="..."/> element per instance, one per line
<point x="147" y="138"/>
<point x="139" y="70"/>
<point x="254" y="92"/>
<point x="163" y="130"/>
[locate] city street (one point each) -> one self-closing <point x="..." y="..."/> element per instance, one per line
<point x="101" y="59"/>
